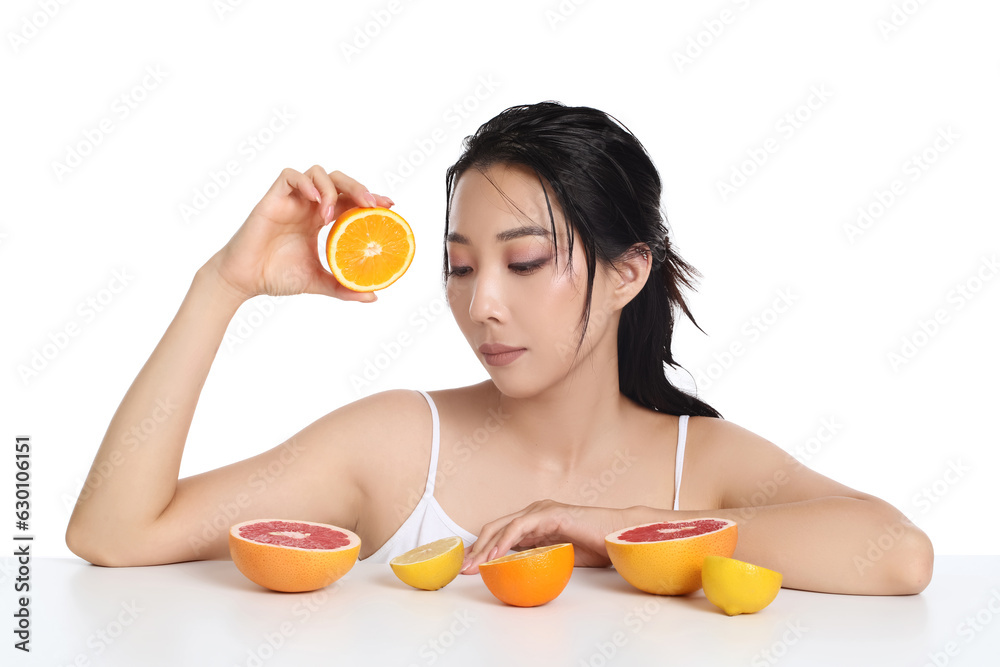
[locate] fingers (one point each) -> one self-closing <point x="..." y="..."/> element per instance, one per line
<point x="325" y="283"/>
<point x="304" y="184"/>
<point x="338" y="192"/>
<point x="499" y="537"/>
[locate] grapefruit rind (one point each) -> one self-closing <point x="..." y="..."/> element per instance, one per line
<point x="669" y="566"/>
<point x="291" y="569"/>
<point x="342" y="224"/>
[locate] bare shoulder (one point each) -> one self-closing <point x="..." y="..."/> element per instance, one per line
<point x="734" y="466"/>
<point x="386" y="423"/>
<point x="391" y="432"/>
<point x="716" y="437"/>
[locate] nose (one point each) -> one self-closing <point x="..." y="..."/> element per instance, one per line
<point x="487" y="302"/>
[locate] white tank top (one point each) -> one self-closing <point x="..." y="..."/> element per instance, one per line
<point x="428" y="521"/>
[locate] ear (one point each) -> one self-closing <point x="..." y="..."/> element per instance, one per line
<point x="633" y="272"/>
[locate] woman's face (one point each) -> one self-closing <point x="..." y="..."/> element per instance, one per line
<point x="519" y="308"/>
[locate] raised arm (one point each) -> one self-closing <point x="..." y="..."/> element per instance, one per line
<point x="132" y="509"/>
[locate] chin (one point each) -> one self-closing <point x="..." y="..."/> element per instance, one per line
<point x="513" y="385"/>
<point x="524" y="382"/>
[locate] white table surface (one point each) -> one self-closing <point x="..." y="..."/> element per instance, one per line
<point x="207" y="613"/>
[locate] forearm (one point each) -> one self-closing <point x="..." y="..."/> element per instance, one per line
<point x="831" y="544"/>
<point x="134" y="474"/>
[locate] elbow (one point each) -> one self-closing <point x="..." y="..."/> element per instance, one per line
<point x="81" y="547"/>
<point x="913" y="566"/>
<point x="81" y="542"/>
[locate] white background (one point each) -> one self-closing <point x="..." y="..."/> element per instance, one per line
<point x="921" y="434"/>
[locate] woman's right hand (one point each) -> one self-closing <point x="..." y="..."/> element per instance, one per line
<point x="275" y="250"/>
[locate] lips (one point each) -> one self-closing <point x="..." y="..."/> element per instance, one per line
<point x="497" y="348"/>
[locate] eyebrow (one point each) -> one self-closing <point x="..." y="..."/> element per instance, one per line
<point x="504" y="236"/>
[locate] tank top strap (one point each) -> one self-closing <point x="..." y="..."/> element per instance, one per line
<point x="679" y="459"/>
<point x="435" y="445"/>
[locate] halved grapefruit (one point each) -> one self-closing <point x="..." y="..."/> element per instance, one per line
<point x="666" y="557"/>
<point x="292" y="556"/>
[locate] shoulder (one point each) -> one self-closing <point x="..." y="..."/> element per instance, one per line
<point x="395" y="424"/>
<point x="727" y="446"/>
<point x="381" y="421"/>
<point x="714" y="432"/>
<point x="742" y="466"/>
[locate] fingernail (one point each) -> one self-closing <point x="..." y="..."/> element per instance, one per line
<point x="493" y="553"/>
<point x="328" y="215"/>
<point x="369" y="197"/>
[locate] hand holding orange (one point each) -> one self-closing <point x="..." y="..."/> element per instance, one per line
<point x="274" y="250"/>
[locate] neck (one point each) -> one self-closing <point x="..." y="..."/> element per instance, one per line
<point x="573" y="423"/>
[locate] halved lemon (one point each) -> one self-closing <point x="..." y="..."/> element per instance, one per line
<point x="737" y="587"/>
<point x="431" y="566"/>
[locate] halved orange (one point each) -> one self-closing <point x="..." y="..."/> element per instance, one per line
<point x="369" y="248"/>
<point x="529" y="578"/>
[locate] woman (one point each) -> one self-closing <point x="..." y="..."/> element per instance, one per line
<point x="560" y="274"/>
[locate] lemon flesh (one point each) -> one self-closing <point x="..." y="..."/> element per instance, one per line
<point x="736" y="587"/>
<point x="430" y="566"/>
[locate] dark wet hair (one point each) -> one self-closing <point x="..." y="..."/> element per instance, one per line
<point x="609" y="191"/>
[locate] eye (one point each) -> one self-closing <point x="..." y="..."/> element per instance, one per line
<point x="527" y="268"/>
<point x="458" y="271"/>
